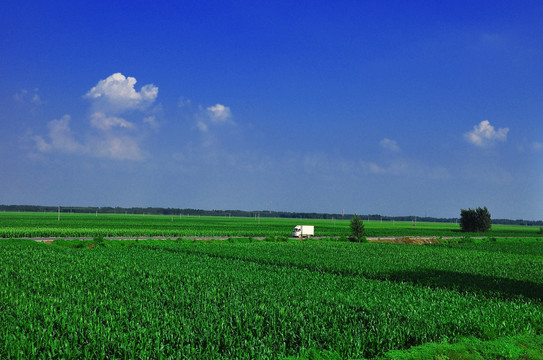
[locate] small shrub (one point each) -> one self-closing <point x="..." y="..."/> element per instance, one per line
<point x="357" y="229"/>
<point x="78" y="244"/>
<point x="98" y="240"/>
<point x="361" y="239"/>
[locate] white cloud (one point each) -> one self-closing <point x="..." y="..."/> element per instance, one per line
<point x="109" y="138"/>
<point x="216" y="114"/>
<point x="534" y="146"/>
<point x="60" y="137"/>
<point x="41" y="144"/>
<point x="537" y="146"/>
<point x="182" y="102"/>
<point x="375" y="169"/>
<point x="21" y="95"/>
<point x="325" y="166"/>
<point x="111" y="96"/>
<point x="484" y="134"/>
<point x="202" y="126"/>
<point x="106" y="144"/>
<point x="151" y="121"/>
<point x="116" y="94"/>
<point x="24" y="96"/>
<point x="390" y="145"/>
<point x="102" y="122"/>
<point x="117" y="147"/>
<point x="395" y="168"/>
<point x="219" y="113"/>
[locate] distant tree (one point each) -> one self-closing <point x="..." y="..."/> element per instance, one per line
<point x="357" y="229"/>
<point x="475" y="220"/>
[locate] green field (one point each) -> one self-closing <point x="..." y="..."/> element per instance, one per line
<point x="243" y="299"/>
<point x="259" y="295"/>
<point x="17" y="225"/>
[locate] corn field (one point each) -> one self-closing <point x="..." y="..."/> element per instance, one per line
<point x="250" y="299"/>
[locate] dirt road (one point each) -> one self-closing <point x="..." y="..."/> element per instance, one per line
<point x="392" y="240"/>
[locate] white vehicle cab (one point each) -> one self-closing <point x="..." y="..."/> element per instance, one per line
<point x="301" y="231"/>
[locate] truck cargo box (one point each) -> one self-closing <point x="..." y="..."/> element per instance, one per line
<point x="301" y="231"/>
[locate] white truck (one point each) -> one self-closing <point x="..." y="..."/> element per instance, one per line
<point x="301" y="231"/>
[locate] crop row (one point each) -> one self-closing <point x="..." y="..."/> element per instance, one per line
<point x="258" y="300"/>
<point x="504" y="269"/>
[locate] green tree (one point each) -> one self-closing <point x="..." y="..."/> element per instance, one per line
<point x="475" y="220"/>
<point x="357" y="229"/>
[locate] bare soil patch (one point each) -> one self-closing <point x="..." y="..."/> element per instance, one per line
<point x="412" y="240"/>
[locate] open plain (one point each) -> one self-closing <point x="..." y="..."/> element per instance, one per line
<point x="251" y="292"/>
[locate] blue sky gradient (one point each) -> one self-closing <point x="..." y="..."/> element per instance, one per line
<point x="380" y="107"/>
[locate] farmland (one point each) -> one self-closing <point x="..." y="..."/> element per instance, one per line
<point x="17" y="225"/>
<point x="245" y="298"/>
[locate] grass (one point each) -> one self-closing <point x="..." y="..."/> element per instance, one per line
<point x="506" y="348"/>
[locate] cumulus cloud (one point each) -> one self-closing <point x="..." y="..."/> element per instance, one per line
<point x="212" y="115"/>
<point x="219" y="113"/>
<point x="116" y="94"/>
<point x="390" y="145"/>
<point x="60" y="137"/>
<point x="101" y="121"/>
<point x="106" y="144"/>
<point x="484" y="134"/>
<point x="109" y="135"/>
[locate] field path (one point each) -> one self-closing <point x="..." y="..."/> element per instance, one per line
<point x="390" y="239"/>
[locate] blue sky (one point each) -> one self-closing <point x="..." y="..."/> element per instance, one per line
<point x="380" y="107"/>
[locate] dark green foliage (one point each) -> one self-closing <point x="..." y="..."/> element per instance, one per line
<point x="357" y="229"/>
<point x="281" y="238"/>
<point x="98" y="240"/>
<point x="475" y="220"/>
